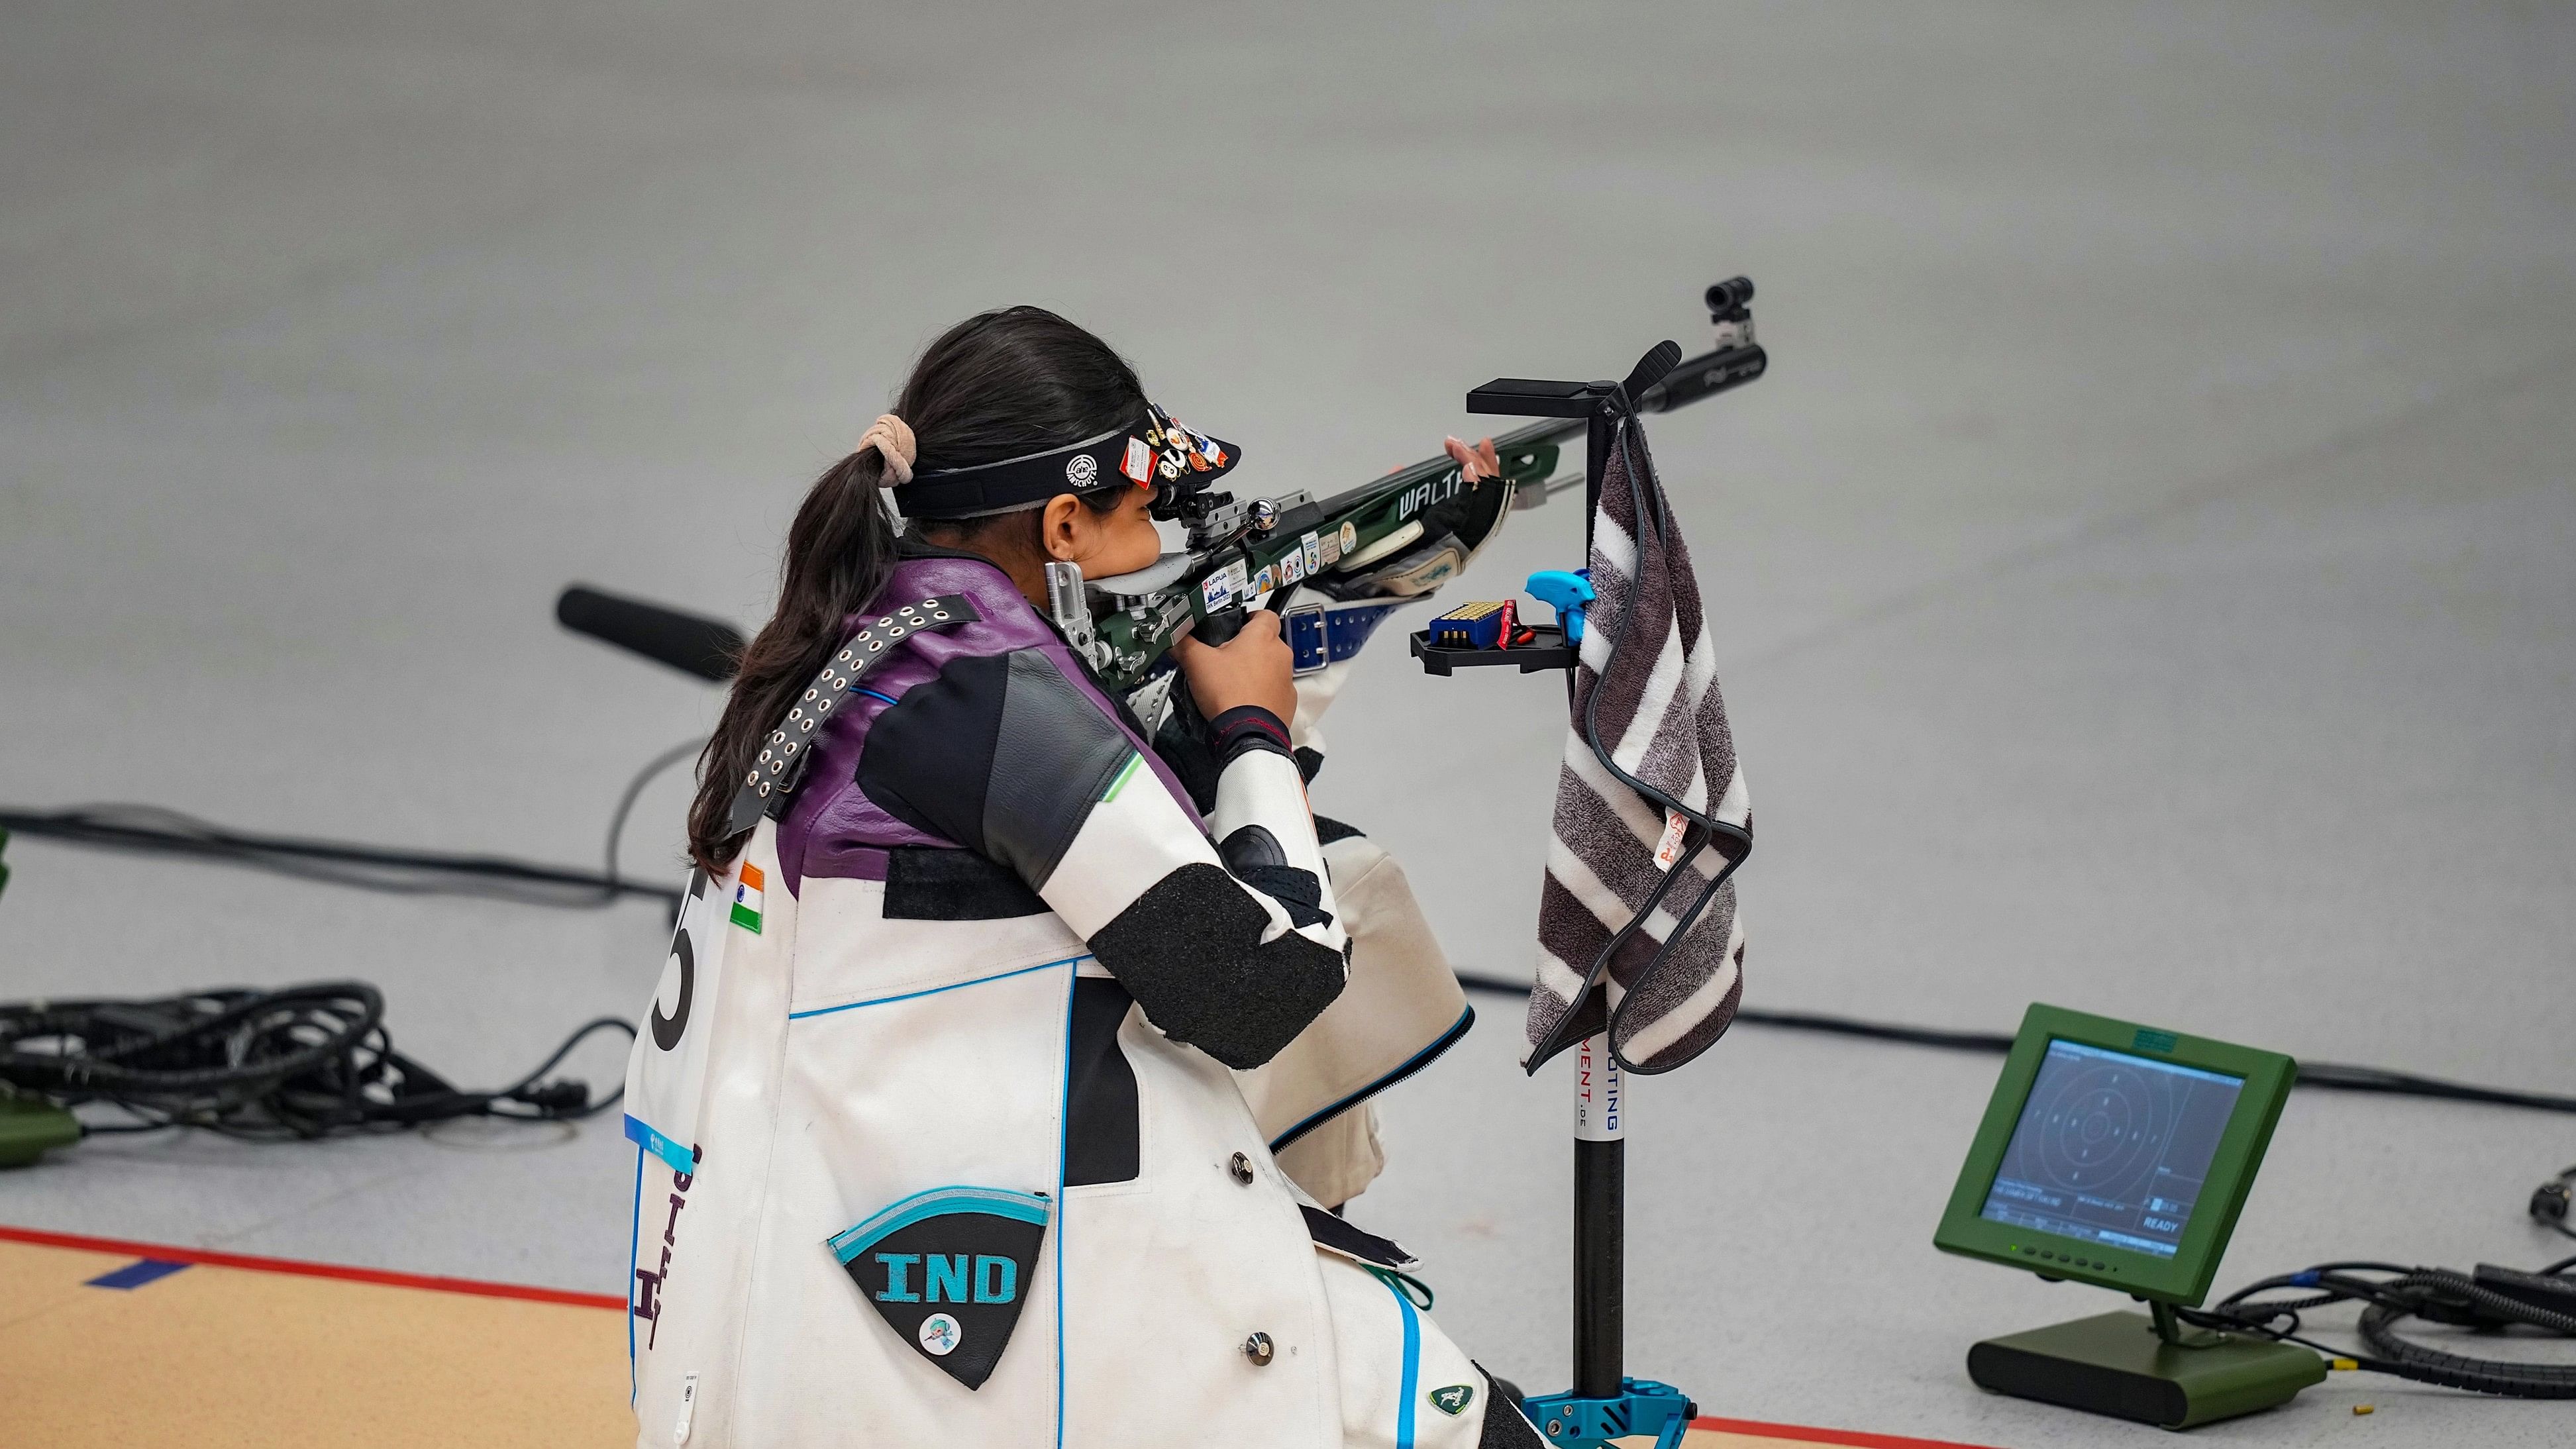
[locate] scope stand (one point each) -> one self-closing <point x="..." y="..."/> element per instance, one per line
<point x="1605" y="1403"/>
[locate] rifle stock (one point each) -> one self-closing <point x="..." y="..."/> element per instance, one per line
<point x="1264" y="553"/>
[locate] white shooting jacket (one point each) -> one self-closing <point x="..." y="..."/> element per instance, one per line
<point x="940" y="1137"/>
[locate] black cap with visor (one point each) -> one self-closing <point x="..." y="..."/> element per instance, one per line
<point x="1153" y="452"/>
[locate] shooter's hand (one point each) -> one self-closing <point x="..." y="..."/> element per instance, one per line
<point x="1253" y="667"/>
<point x="1477" y="462"/>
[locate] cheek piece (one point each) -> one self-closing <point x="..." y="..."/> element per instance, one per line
<point x="1153" y="452"/>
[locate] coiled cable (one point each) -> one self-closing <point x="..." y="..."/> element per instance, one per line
<point x="2492" y="1300"/>
<point x="301" y="1062"/>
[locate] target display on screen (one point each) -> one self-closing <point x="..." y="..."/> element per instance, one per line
<point x="2111" y="1148"/>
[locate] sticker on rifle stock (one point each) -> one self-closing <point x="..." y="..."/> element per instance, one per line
<point x="1261" y="582"/>
<point x="1217" y="591"/>
<point x="1292" y="567"/>
<point x="1238" y="579"/>
<point x="1350" y="540"/>
<point x="1314" y="551"/>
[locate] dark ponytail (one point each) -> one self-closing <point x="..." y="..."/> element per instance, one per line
<point x="995" y="386"/>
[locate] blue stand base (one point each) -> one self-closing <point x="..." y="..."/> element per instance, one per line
<point x="1642" y="1407"/>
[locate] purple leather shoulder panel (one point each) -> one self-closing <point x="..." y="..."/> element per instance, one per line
<point x="833" y="829"/>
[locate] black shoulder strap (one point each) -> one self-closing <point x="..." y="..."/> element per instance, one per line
<point x="783" y="756"/>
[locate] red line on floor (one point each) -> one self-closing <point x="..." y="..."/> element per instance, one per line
<point x="168" y="1254"/>
<point x="163" y="1252"/>
<point x="1851" y="1438"/>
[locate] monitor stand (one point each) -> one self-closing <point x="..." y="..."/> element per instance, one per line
<point x="2146" y="1367"/>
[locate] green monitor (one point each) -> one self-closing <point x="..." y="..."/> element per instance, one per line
<point x="2120" y="1155"/>
<point x="2116" y="1154"/>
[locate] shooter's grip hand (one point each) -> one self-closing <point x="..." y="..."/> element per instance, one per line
<point x="1480" y="461"/>
<point x="1253" y="667"/>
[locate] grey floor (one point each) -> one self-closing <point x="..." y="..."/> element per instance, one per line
<point x="2144" y="582"/>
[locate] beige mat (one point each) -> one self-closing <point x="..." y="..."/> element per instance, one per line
<point x="220" y="1356"/>
<point x="127" y="1344"/>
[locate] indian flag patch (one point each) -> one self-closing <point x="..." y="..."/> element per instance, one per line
<point x="746" y="898"/>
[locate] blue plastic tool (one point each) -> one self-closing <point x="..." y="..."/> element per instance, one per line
<point x="1567" y="593"/>
<point x="1643" y="1406"/>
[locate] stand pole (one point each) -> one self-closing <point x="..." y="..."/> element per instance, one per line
<point x="1600" y="1191"/>
<point x="1604" y="1403"/>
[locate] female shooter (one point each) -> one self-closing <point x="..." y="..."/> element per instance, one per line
<point x="966" y="1160"/>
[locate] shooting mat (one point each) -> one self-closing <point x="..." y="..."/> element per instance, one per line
<point x="112" y="1343"/>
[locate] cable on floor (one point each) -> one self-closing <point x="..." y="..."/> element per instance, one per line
<point x="2332" y="1075"/>
<point x="2491" y="1300"/>
<point x="297" y="1063"/>
<point x="152" y="829"/>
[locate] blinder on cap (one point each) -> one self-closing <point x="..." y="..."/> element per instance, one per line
<point x="1154" y="452"/>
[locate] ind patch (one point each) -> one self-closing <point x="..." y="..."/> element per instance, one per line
<point x="1454" y="1399"/>
<point x="948" y="1270"/>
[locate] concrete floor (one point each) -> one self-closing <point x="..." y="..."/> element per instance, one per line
<point x="2144" y="581"/>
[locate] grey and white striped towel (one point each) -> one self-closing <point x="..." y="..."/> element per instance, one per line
<point x="1654" y="951"/>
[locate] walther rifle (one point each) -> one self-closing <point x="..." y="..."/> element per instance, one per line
<point x="1378" y="544"/>
<point x="1358" y="554"/>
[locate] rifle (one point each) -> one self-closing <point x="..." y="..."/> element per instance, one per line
<point x="1376" y="546"/>
<point x="1362" y="552"/>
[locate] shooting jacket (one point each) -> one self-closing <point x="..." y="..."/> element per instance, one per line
<point x="967" y="1161"/>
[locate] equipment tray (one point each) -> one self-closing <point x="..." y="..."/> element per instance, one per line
<point x="1548" y="651"/>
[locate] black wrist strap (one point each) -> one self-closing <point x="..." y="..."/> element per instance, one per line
<point x="780" y="767"/>
<point x="1248" y="727"/>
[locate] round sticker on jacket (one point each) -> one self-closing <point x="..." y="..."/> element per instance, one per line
<point x="940" y="1335"/>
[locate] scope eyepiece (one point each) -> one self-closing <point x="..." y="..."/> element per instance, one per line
<point x="1729" y="297"/>
<point x="1185" y="499"/>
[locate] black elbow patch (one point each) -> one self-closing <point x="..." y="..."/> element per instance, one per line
<point x="1190" y="950"/>
<point x="1257" y="859"/>
<point x="1297" y="891"/>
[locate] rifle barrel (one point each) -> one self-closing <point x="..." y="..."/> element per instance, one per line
<point x="1704" y="376"/>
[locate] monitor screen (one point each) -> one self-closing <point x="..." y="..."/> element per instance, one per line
<point x="2111" y="1148"/>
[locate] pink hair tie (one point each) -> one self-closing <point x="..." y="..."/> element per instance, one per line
<point x="891" y="436"/>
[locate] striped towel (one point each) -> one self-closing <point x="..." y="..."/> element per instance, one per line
<point x="1637" y="918"/>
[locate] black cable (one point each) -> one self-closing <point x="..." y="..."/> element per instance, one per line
<point x="2490" y="1301"/>
<point x="301" y="1062"/>
<point x="153" y="830"/>
<point x="405" y="872"/>
<point x="2332" y="1075"/>
<point x="626" y="804"/>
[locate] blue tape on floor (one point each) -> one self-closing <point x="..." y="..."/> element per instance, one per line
<point x="136" y="1274"/>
